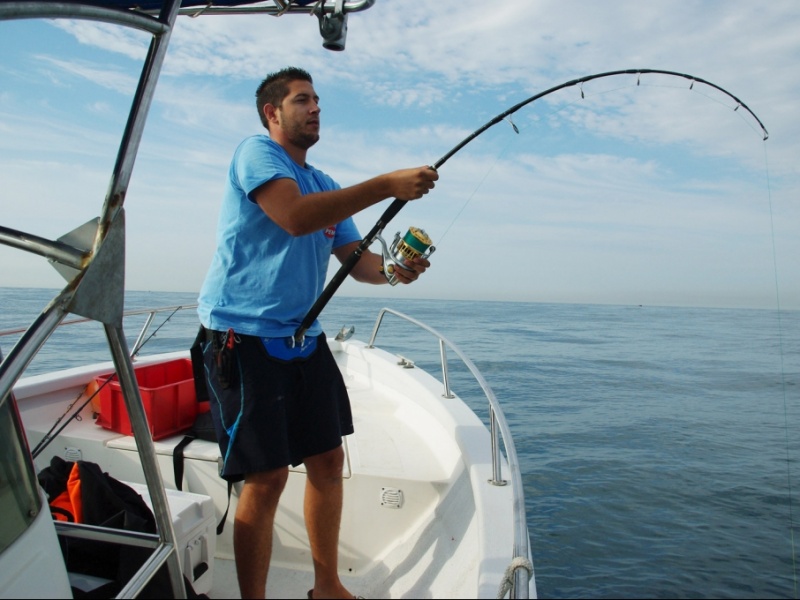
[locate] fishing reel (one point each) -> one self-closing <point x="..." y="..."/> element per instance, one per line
<point x="413" y="244"/>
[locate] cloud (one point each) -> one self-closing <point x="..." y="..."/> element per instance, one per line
<point x="113" y="38"/>
<point x="629" y="181"/>
<point x="112" y="79"/>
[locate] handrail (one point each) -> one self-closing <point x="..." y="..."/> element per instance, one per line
<point x="280" y="7"/>
<point x="128" y="313"/>
<point x="30" y="9"/>
<point x="151" y="313"/>
<point x="95" y="276"/>
<point x="141" y="18"/>
<point x="497" y="421"/>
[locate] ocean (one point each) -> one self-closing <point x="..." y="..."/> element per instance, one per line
<point x="659" y="446"/>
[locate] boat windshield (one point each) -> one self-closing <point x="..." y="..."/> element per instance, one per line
<point x="19" y="499"/>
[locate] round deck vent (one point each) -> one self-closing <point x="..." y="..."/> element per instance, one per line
<point x="72" y="454"/>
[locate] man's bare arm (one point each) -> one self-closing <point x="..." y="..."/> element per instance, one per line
<point x="300" y="214"/>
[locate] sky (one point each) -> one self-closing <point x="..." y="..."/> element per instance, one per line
<point x="626" y="190"/>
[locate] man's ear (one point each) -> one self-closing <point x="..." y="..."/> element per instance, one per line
<point x="269" y="112"/>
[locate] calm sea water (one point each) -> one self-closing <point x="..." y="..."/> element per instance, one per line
<point x="659" y="446"/>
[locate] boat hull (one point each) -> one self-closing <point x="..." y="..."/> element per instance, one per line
<point x="421" y="516"/>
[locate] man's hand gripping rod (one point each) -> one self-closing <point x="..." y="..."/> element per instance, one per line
<point x="347" y="266"/>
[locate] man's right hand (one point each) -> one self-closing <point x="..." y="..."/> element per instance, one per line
<point x="412" y="184"/>
<point x="301" y="214"/>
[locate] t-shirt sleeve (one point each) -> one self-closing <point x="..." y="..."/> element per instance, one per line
<point x="258" y="163"/>
<point x="346" y="232"/>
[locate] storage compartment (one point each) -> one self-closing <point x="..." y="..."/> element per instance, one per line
<point x="168" y="396"/>
<point x="193" y="520"/>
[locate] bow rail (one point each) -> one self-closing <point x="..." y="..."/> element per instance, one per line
<point x="499" y="429"/>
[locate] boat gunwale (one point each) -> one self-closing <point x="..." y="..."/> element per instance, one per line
<point x="34" y="385"/>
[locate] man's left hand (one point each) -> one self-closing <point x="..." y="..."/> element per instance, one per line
<point x="418" y="266"/>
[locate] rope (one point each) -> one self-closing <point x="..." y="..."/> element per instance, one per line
<point x="508" y="577"/>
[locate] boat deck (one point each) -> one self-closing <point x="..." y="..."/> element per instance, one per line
<point x="410" y="524"/>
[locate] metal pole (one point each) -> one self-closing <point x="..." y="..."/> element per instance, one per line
<point x="147" y="452"/>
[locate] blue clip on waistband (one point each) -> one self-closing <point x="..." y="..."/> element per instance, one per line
<point x="285" y="348"/>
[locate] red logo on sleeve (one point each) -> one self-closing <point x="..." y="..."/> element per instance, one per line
<point x="330" y="231"/>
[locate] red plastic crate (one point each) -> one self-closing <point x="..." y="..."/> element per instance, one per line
<point x="168" y="396"/>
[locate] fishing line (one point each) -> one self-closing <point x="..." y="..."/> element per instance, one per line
<point x="783" y="373"/>
<point x="480" y="184"/>
<point x="503" y="152"/>
<point x="739" y="105"/>
<point x="554" y="111"/>
<point x="719" y="101"/>
<point x="349" y="263"/>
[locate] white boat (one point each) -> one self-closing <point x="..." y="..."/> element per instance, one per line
<point x="434" y="502"/>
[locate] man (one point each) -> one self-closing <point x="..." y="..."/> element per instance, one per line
<point x="275" y="403"/>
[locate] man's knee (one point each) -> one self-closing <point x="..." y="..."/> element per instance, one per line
<point x="267" y="485"/>
<point x="326" y="466"/>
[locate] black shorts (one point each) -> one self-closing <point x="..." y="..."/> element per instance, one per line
<point x="274" y="413"/>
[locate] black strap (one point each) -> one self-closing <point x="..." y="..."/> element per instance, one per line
<point x="221" y="524"/>
<point x="198" y="370"/>
<point x="57" y="510"/>
<point x="177" y="460"/>
<point x="177" y="467"/>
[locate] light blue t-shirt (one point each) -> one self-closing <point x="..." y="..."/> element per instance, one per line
<point x="262" y="281"/>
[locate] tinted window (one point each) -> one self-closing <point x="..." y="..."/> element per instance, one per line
<point x="19" y="498"/>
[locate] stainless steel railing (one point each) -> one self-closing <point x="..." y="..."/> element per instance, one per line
<point x="94" y="266"/>
<point x="497" y="424"/>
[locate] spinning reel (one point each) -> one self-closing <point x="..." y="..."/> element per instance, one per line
<point x="413" y="244"/>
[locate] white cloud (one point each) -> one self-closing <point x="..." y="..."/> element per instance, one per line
<point x="627" y="182"/>
<point x="123" y="83"/>
<point x="120" y="40"/>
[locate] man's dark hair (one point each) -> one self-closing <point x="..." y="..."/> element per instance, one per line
<point x="275" y="87"/>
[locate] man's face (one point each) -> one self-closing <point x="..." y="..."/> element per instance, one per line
<point x="298" y="114"/>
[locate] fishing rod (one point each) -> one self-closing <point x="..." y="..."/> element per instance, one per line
<point x="350" y="262"/>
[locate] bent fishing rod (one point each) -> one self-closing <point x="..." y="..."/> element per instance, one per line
<point x="350" y="262"/>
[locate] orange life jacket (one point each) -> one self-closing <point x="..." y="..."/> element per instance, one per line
<point x="68" y="506"/>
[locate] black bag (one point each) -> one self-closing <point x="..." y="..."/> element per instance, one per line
<point x="106" y="502"/>
<point x="198" y="369"/>
<point x="203" y="427"/>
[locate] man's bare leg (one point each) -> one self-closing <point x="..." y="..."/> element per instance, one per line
<point x="323" y="515"/>
<point x="252" y="529"/>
